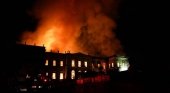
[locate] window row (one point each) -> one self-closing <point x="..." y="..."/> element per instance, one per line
<point x="72" y="63"/>
<point x="62" y="75"/>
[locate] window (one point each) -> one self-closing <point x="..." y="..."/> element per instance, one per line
<point x="61" y="63"/>
<point x="109" y="65"/>
<point x="54" y="62"/>
<point x="73" y="63"/>
<point x="92" y="66"/>
<point x="46" y="63"/>
<point x="112" y="65"/>
<point x="98" y="65"/>
<point x="72" y="74"/>
<point x="85" y="63"/>
<point x="53" y="75"/>
<point x="61" y="76"/>
<point x="104" y="66"/>
<point x="79" y="63"/>
<point x="118" y="64"/>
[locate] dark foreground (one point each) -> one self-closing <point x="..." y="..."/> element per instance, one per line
<point x="119" y="83"/>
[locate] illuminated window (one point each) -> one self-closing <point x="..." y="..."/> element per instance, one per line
<point x="54" y="62"/>
<point x="72" y="74"/>
<point x="61" y="76"/>
<point x="73" y="63"/>
<point x="46" y="73"/>
<point x="104" y="65"/>
<point x="46" y="63"/>
<point x="79" y="63"/>
<point x="92" y="66"/>
<point x="98" y="65"/>
<point x="61" y="63"/>
<point x="53" y="75"/>
<point x="109" y="65"/>
<point x="118" y="64"/>
<point x="112" y="65"/>
<point x="34" y="86"/>
<point x="39" y="86"/>
<point x="85" y="63"/>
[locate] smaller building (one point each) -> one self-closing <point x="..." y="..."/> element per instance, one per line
<point x="122" y="63"/>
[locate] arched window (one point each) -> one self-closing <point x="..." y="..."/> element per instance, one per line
<point x="54" y="62"/>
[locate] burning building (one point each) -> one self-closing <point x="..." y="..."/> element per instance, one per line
<point x="60" y="66"/>
<point x="72" y="65"/>
<point x="37" y="67"/>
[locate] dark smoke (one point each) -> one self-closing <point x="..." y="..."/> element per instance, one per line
<point x="76" y="25"/>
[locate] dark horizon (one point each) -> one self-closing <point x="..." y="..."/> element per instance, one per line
<point x="137" y="25"/>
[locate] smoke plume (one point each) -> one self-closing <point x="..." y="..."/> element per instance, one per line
<point x="76" y="25"/>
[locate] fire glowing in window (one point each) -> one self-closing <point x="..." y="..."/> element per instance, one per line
<point x="46" y="63"/>
<point x="61" y="76"/>
<point x="73" y="63"/>
<point x="54" y="62"/>
<point x="104" y="66"/>
<point x="53" y="75"/>
<point x="85" y="63"/>
<point x="118" y="65"/>
<point x="92" y="66"/>
<point x="98" y="65"/>
<point x="61" y="63"/>
<point x="73" y="74"/>
<point x="79" y="63"/>
<point x="112" y="65"/>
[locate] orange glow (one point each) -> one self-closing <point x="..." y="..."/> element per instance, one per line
<point x="52" y="38"/>
<point x="76" y="26"/>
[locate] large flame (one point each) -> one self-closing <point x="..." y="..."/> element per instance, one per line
<point x="75" y="25"/>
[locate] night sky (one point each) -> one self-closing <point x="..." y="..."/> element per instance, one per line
<point x="137" y="24"/>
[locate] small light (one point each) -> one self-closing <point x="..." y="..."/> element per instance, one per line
<point x="27" y="76"/>
<point x="34" y="86"/>
<point x="45" y="80"/>
<point x="35" y="79"/>
<point x="23" y="89"/>
<point x="46" y="73"/>
<point x="39" y="86"/>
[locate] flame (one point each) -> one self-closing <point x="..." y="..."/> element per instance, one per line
<point x="75" y="25"/>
